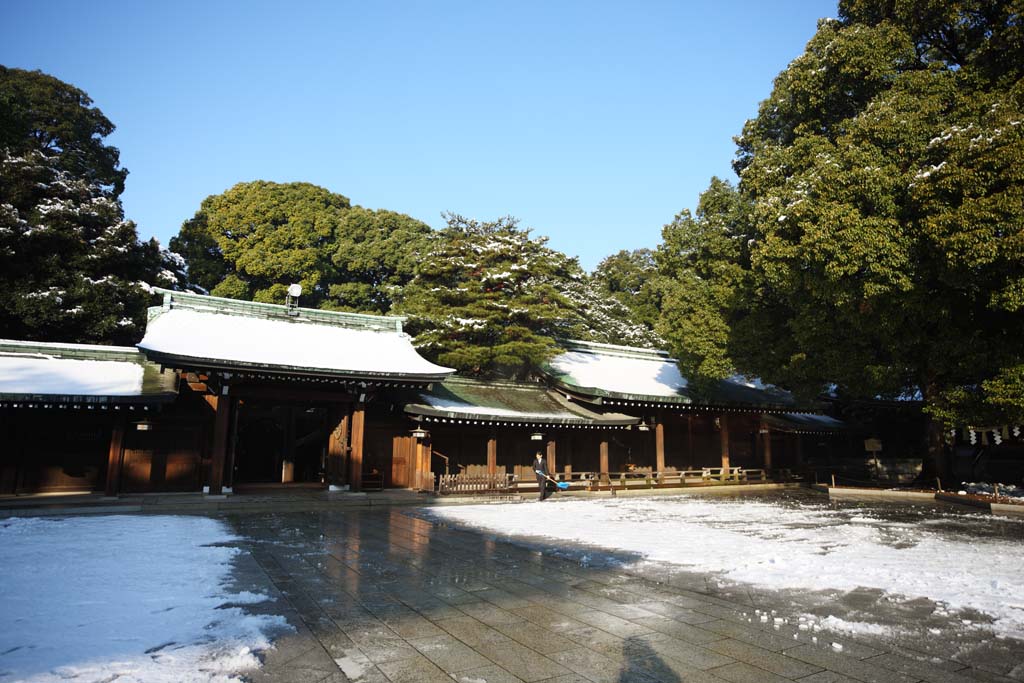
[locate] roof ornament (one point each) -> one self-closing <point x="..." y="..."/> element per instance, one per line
<point x="292" y="300"/>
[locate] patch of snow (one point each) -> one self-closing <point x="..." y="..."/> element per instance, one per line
<point x="803" y="547"/>
<point x="469" y="409"/>
<point x="833" y="623"/>
<point x="621" y="374"/>
<point x="38" y="374"/>
<point x="136" y="599"/>
<point x="283" y="343"/>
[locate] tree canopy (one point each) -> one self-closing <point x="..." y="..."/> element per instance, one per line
<point x="256" y="238"/>
<point x="71" y="267"/>
<point x="879" y="220"/>
<point x="489" y="299"/>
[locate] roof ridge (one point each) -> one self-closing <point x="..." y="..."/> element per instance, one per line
<point x="70" y="351"/>
<point x="204" y="303"/>
<point x="598" y="348"/>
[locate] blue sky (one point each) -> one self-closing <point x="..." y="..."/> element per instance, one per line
<point x="592" y="122"/>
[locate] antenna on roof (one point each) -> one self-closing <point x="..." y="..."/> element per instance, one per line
<point x="292" y="300"/>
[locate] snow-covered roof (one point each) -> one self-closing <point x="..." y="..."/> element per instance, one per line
<point x="37" y="372"/>
<point x="631" y="374"/>
<point x="194" y="331"/>
<point x="462" y="400"/>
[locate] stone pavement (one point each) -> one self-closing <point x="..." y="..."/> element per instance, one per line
<point x="381" y="596"/>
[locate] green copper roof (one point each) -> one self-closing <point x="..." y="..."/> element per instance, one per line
<point x="465" y="400"/>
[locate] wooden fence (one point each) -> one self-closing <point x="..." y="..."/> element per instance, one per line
<point x="475" y="479"/>
<point x="476" y="484"/>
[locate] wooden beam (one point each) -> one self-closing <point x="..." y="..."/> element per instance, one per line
<point x="115" y="457"/>
<point x="221" y="422"/>
<point x="723" y="434"/>
<point x="492" y="455"/>
<point x="552" y="458"/>
<point x="356" y="452"/>
<point x="290" y="394"/>
<point x="659" y="447"/>
<point x="604" y="456"/>
<point x="767" y="434"/>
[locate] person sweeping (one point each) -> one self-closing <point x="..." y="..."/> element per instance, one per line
<point x="540" y="468"/>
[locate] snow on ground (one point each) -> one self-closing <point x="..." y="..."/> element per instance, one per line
<point x="136" y="599"/>
<point x="1005" y="490"/>
<point x="788" y="546"/>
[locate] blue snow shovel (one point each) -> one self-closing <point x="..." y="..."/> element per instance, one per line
<point x="562" y="485"/>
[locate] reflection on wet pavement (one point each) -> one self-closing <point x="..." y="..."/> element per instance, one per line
<point x="387" y="595"/>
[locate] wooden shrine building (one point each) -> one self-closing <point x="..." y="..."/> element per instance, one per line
<point x="735" y="423"/>
<point x="223" y="394"/>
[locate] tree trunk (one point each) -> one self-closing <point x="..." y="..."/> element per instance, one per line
<point x="936" y="463"/>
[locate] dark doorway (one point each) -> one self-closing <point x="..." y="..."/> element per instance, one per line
<point x="280" y="443"/>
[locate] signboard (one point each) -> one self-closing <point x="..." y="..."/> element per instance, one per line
<point x="872" y="445"/>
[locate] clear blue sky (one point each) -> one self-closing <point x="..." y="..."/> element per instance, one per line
<point x="593" y="122"/>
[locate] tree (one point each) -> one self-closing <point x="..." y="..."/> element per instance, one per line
<point x="481" y="300"/>
<point x="71" y="267"/>
<point x="489" y="299"/>
<point x="883" y="181"/>
<point x="701" y="275"/>
<point x="256" y="238"/>
<point x="627" y="277"/>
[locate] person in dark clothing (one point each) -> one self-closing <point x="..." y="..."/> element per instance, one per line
<point x="540" y="468"/>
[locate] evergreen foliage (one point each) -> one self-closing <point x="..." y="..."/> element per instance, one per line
<point x="630" y="277"/>
<point x="488" y="299"/>
<point x="71" y="267"/>
<point x="255" y="239"/>
<point x="879" y="223"/>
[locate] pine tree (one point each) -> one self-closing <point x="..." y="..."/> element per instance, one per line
<point x="71" y="267"/>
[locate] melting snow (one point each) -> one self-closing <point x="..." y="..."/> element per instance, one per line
<point x="802" y="547"/>
<point x="127" y="598"/>
<point x="24" y="374"/>
<point x="284" y="343"/>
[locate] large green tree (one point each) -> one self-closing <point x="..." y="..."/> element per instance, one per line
<point x="71" y="267"/>
<point x="253" y="240"/>
<point x="701" y="272"/>
<point x="883" y="186"/>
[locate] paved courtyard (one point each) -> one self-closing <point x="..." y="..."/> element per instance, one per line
<point x="386" y="595"/>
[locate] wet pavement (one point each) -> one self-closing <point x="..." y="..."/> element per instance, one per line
<point x="389" y="595"/>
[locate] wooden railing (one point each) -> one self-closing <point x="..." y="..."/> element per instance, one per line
<point x="475" y="484"/>
<point x="482" y="483"/>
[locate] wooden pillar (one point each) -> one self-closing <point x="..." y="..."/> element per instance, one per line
<point x="355" y="476"/>
<point x="690" y="462"/>
<point x="659" y="447"/>
<point x="767" y="435"/>
<point x="799" y="448"/>
<point x="723" y="432"/>
<point x="568" y="454"/>
<point x="604" y="456"/>
<point x="115" y="457"/>
<point x="288" y="456"/>
<point x="552" y="458"/>
<point x="221" y="422"/>
<point x="423" y="479"/>
<point x="337" y="445"/>
<point x="492" y="455"/>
